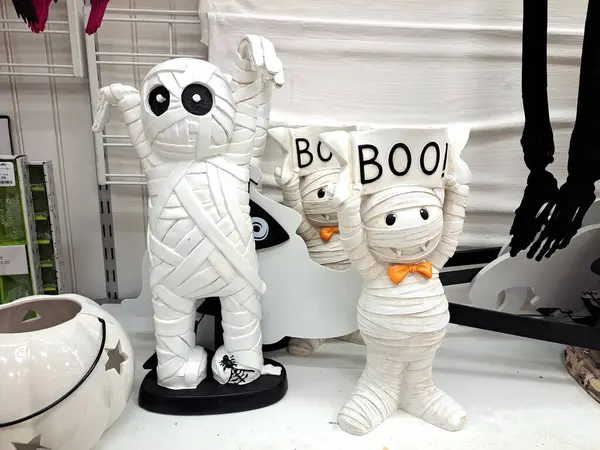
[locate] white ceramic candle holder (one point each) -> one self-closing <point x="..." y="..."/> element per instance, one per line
<point x="66" y="372"/>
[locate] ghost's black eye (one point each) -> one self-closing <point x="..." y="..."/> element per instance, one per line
<point x="424" y="214"/>
<point x="321" y="193"/>
<point x="260" y="228"/>
<point x="159" y="100"/>
<point x="197" y="99"/>
<point x="390" y="219"/>
<point x="267" y="231"/>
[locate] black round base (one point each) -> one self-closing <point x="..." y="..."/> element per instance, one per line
<point x="210" y="397"/>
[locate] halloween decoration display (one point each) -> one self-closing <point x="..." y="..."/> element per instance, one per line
<point x="519" y="284"/>
<point x="304" y="177"/>
<point x="42" y="8"/>
<point x="194" y="131"/>
<point x="66" y="370"/>
<point x="25" y="10"/>
<point x="507" y="284"/>
<point x="548" y="217"/>
<point x="401" y="197"/>
<point x="96" y="15"/>
<point x="267" y="231"/>
<point x="34" y="13"/>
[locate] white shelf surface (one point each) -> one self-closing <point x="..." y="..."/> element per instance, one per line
<point x="516" y="392"/>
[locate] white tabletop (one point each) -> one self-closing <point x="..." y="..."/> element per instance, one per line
<point x="516" y="392"/>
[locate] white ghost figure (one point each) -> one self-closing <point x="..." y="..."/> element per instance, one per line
<point x="401" y="204"/>
<point x="66" y="374"/>
<point x="515" y="277"/>
<point x="519" y="284"/>
<point x="197" y="133"/>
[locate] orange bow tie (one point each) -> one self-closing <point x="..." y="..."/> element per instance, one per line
<point x="327" y="232"/>
<point x="399" y="272"/>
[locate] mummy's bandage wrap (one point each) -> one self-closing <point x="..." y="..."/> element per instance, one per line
<point x="194" y="132"/>
<point x="304" y="184"/>
<point x="307" y="196"/>
<point x="402" y="324"/>
<point x="255" y="95"/>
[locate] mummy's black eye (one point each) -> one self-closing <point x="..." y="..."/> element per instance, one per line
<point x="197" y="99"/>
<point x="424" y="214"/>
<point x="321" y="193"/>
<point x="390" y="219"/>
<point x="158" y="100"/>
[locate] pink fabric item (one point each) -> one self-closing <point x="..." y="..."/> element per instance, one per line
<point x="42" y="8"/>
<point x="96" y="16"/>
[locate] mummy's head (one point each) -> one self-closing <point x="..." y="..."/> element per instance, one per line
<point x="318" y="206"/>
<point x="186" y="108"/>
<point x="403" y="224"/>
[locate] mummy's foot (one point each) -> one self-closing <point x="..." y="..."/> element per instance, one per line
<point x="367" y="407"/>
<point x="228" y="370"/>
<point x="303" y="347"/>
<point x="189" y="375"/>
<point x="434" y="406"/>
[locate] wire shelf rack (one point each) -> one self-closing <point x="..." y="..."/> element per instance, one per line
<point x="70" y="29"/>
<point x="103" y="65"/>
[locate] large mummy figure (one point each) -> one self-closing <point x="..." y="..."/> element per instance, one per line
<point x="195" y="132"/>
<point x="401" y="199"/>
<point x="304" y="177"/>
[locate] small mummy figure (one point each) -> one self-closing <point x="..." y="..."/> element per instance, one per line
<point x="195" y="132"/>
<point x="308" y="170"/>
<point x="400" y="215"/>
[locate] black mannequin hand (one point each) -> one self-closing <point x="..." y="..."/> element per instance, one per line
<point x="538" y="200"/>
<point x="574" y="200"/>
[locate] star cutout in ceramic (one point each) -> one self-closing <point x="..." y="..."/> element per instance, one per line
<point x="34" y="444"/>
<point x="116" y="357"/>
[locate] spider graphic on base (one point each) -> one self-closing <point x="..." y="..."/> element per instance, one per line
<point x="237" y="375"/>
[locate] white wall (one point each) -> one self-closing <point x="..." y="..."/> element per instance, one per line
<point x="398" y="61"/>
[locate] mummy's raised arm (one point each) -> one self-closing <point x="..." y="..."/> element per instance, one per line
<point x="455" y="203"/>
<point x="346" y="196"/>
<point x="255" y="71"/>
<point x="289" y="181"/>
<point x="354" y="237"/>
<point x="127" y="100"/>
